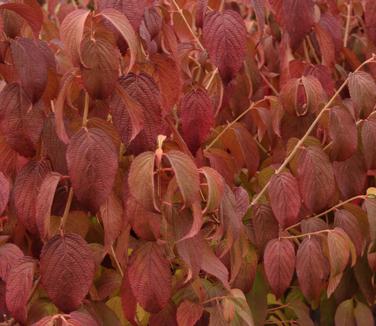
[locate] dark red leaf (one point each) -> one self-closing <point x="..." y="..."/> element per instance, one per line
<point x="188" y="313"/>
<point x="225" y="38"/>
<point x="26" y="189"/>
<point x="285" y="198"/>
<point x="279" y="264"/>
<point x="369" y="141"/>
<point x="9" y="254"/>
<point x="197" y="117"/>
<point x="18" y="287"/>
<point x="67" y="270"/>
<point x="92" y="162"/>
<point x="370" y="19"/>
<point x="150" y="277"/>
<point x="4" y="192"/>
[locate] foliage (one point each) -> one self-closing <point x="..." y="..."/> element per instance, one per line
<point x="181" y="162"/>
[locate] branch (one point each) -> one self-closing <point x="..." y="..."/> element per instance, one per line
<point x="308" y="132"/>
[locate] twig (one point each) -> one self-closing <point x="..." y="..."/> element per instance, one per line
<point x="267" y="82"/>
<point x="113" y="254"/>
<point x="66" y="210"/>
<point x="347" y="28"/>
<point x="210" y="81"/>
<point x="86" y="110"/>
<point x="180" y="11"/>
<point x="308" y="132"/>
<point x="306" y="234"/>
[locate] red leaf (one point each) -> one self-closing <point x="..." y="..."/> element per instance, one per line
<point x="370" y="19"/>
<point x="72" y="31"/>
<point x="20" y="123"/>
<point x="225" y="39"/>
<point x="141" y="180"/>
<point x="33" y="15"/>
<point x="285" y="198"/>
<point x="122" y="24"/>
<point x="92" y="162"/>
<point x="112" y="217"/>
<point x="259" y="8"/>
<point x="279" y="264"/>
<point x="26" y="189"/>
<point x="315" y="178"/>
<point x="197" y="117"/>
<point x="4" y="192"/>
<point x="9" y="254"/>
<point x="369" y="141"/>
<point x="100" y="62"/>
<point x="326" y="44"/>
<point x="168" y="76"/>
<point x="362" y="88"/>
<point x="343" y="131"/>
<point x="296" y="16"/>
<point x="31" y="66"/>
<point x="188" y="313"/>
<point x="132" y="9"/>
<point x="311" y="268"/>
<point x="44" y="203"/>
<point x="128" y="301"/>
<point x="351" y="176"/>
<point x="18" y="287"/>
<point x="67" y="270"/>
<point x="150" y="277"/>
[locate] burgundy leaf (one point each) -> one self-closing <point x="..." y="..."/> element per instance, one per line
<point x="9" y="254"/>
<point x="4" y="192"/>
<point x="150" y="277"/>
<point x="225" y="38"/>
<point x="315" y="178"/>
<point x="67" y="270"/>
<point x="285" y="198"/>
<point x="279" y="263"/>
<point x="362" y="88"/>
<point x="18" y="287"/>
<point x="369" y="141"/>
<point x="197" y="117"/>
<point x="92" y="163"/>
<point x="370" y="19"/>
<point x="26" y="189"/>
<point x="188" y="313"/>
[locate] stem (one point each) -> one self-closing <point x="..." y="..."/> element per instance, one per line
<point x="180" y="11"/>
<point x="210" y="81"/>
<point x="267" y="82"/>
<point x="347" y="28"/>
<point x="229" y="126"/>
<point x="306" y="234"/>
<point x="313" y="50"/>
<point x="113" y="254"/>
<point x="279" y="307"/>
<point x="86" y="110"/>
<point x="308" y="132"/>
<point x="66" y="210"/>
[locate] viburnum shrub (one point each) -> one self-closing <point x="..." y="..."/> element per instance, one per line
<point x="182" y="162"/>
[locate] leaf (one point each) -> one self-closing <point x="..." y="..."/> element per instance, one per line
<point x="168" y="76"/>
<point x="369" y="141"/>
<point x="188" y="313"/>
<point x="32" y="15"/>
<point x="128" y="301"/>
<point x="4" y="192"/>
<point x="31" y="66"/>
<point x="111" y="212"/>
<point x="216" y="188"/>
<point x="185" y="169"/>
<point x="315" y="178"/>
<point x="339" y="251"/>
<point x="92" y="163"/>
<point x="19" y="286"/>
<point x="326" y="44"/>
<point x="141" y="180"/>
<point x="122" y="24"/>
<point x="20" y="123"/>
<point x="243" y="147"/>
<point x="362" y="90"/>
<point x="67" y="270"/>
<point x="72" y="31"/>
<point x="285" y="198"/>
<point x="150" y="277"/>
<point x="279" y="264"/>
<point x="349" y="223"/>
<point x="370" y="20"/>
<point x="351" y="176"/>
<point x="44" y="202"/>
<point x="294" y="13"/>
<point x="344" y="313"/>
<point x="197" y="117"/>
<point x="363" y="315"/>
<point x="264" y="226"/>
<point x="311" y="268"/>
<point x="370" y="205"/>
<point x="26" y="189"/>
<point x="9" y="254"/>
<point x="100" y="62"/>
<point x="343" y="132"/>
<point x="259" y="8"/>
<point x="225" y="38"/>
